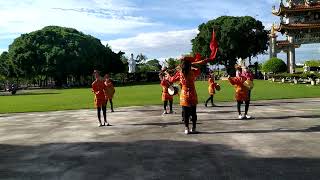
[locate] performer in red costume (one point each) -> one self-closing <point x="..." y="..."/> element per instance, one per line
<point x="211" y="90"/>
<point x="98" y="88"/>
<point x="241" y="92"/>
<point x="187" y="76"/>
<point x="165" y="94"/>
<point x="188" y="96"/>
<point x="109" y="91"/>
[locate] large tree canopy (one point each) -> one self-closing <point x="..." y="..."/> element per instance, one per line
<point x="4" y="64"/>
<point x="238" y="37"/>
<point x="59" y="53"/>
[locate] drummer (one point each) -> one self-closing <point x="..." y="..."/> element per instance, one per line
<point x="165" y="84"/>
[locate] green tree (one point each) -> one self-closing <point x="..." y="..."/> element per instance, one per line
<point x="141" y="58"/>
<point x="4" y="64"/>
<point x="172" y="63"/>
<point x="274" y="65"/>
<point x="59" y="53"/>
<point x="238" y="37"/>
<point x="154" y="65"/>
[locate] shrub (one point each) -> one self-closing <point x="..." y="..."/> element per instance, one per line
<point x="274" y="65"/>
<point x="312" y="63"/>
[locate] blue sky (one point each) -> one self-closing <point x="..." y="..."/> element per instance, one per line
<point x="157" y="28"/>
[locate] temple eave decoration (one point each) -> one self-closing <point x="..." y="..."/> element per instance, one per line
<point x="296" y="26"/>
<point x="295" y="8"/>
<point x="285" y="43"/>
<point x="300" y="23"/>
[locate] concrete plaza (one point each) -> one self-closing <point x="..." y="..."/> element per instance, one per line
<point x="281" y="142"/>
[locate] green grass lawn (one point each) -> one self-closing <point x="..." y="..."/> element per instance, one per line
<point x="50" y="100"/>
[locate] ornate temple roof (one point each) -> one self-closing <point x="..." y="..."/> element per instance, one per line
<point x="295" y="8"/>
<point x="297" y="26"/>
<point x="285" y="43"/>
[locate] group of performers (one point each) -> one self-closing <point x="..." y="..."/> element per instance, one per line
<point x="103" y="90"/>
<point x="186" y="74"/>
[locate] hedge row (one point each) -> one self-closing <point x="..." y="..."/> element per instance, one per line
<point x="296" y="75"/>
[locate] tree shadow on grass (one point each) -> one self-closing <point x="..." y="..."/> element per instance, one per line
<point x="153" y="159"/>
<point x="29" y="94"/>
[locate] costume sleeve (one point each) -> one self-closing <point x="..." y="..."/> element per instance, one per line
<point x="162" y="83"/>
<point x="250" y="76"/>
<point x="234" y="80"/>
<point x="175" y="78"/>
<point x="94" y="88"/>
<point x="210" y="81"/>
<point x="196" y="72"/>
<point x="237" y="80"/>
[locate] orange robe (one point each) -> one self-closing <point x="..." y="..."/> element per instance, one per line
<point x="165" y="95"/>
<point x="241" y="90"/>
<point x="98" y="88"/>
<point x="212" y="86"/>
<point x="188" y="95"/>
<point x="109" y="90"/>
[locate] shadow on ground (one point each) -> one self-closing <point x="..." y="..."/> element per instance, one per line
<point x="278" y="130"/>
<point x="154" y="159"/>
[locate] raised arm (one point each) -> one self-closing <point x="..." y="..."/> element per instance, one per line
<point x="174" y="78"/>
<point x="237" y="80"/>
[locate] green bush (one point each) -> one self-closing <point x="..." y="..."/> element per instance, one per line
<point x="312" y="63"/>
<point x="274" y="65"/>
<point x="295" y="75"/>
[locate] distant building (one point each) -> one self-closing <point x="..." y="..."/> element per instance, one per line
<point x="300" y="22"/>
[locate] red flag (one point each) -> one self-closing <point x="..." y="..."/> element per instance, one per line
<point x="213" y="46"/>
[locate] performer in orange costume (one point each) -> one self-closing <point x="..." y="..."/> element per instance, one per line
<point x="98" y="88"/>
<point x="165" y="94"/>
<point x="109" y="91"/>
<point x="188" y="96"/>
<point x="211" y="89"/>
<point x="241" y="92"/>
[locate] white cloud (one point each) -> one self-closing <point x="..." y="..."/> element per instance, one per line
<point x="2" y="50"/>
<point x="106" y="17"/>
<point x="156" y="45"/>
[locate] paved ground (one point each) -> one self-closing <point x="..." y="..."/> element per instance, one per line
<point x="282" y="142"/>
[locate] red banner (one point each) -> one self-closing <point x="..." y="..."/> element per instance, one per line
<point x="213" y="46"/>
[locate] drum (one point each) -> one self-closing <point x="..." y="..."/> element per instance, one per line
<point x="173" y="90"/>
<point x="218" y="87"/>
<point x="248" y="84"/>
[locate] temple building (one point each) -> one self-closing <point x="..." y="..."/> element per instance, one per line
<point x="300" y="23"/>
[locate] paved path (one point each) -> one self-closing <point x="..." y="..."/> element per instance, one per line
<point x="282" y="142"/>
